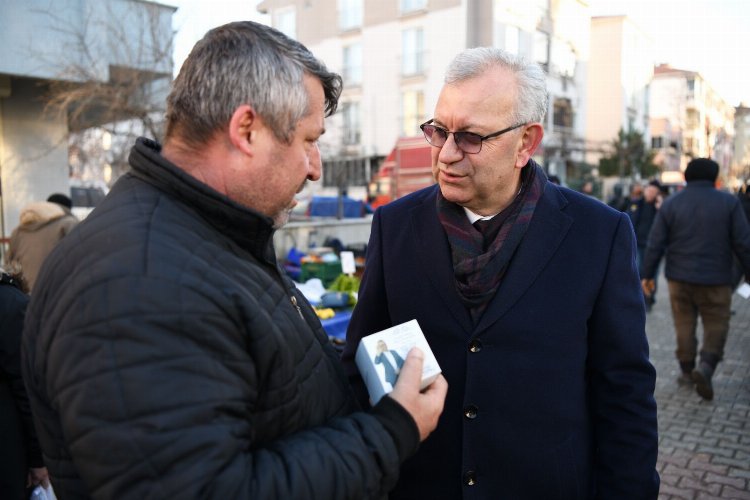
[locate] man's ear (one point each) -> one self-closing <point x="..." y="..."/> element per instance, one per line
<point x="243" y="128"/>
<point x="532" y="137"/>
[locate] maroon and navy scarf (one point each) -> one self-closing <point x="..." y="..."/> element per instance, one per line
<point x="477" y="271"/>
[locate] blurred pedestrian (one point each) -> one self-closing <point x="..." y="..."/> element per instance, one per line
<point x="617" y="200"/>
<point x="42" y="225"/>
<point x="170" y="357"/>
<point x="588" y="188"/>
<point x="744" y="196"/>
<point x="699" y="229"/>
<point x="21" y="463"/>
<point x="635" y="196"/>
<point x="642" y="213"/>
<point x="529" y="298"/>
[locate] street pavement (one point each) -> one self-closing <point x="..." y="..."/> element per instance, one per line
<point x="704" y="446"/>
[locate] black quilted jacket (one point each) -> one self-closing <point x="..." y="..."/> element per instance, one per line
<point x="167" y="357"/>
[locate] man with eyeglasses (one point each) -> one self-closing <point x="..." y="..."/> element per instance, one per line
<point x="535" y="317"/>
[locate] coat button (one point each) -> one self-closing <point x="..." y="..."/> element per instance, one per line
<point x="470" y="478"/>
<point x="475" y="346"/>
<point x="470" y="412"/>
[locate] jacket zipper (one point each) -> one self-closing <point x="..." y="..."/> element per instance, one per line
<point x="294" y="303"/>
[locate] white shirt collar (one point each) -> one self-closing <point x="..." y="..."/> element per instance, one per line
<point x="473" y="217"/>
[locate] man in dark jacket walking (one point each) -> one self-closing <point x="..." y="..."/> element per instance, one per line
<point x="699" y="229"/>
<point x="642" y="213"/>
<point x="166" y="353"/>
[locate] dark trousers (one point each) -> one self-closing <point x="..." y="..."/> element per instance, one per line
<point x="713" y="305"/>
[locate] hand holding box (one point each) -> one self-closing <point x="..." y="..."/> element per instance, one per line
<point x="380" y="357"/>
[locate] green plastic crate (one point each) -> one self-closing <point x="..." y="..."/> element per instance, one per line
<point x="325" y="271"/>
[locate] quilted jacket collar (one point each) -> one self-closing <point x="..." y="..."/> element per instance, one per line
<point x="248" y="228"/>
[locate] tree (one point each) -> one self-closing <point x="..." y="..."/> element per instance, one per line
<point x="113" y="87"/>
<point x="629" y="157"/>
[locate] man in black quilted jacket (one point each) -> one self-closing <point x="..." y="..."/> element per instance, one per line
<point x="166" y="354"/>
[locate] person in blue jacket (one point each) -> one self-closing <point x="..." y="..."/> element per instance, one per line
<point x="538" y="322"/>
<point x="391" y="361"/>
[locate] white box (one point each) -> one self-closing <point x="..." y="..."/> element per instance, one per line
<point x="380" y="357"/>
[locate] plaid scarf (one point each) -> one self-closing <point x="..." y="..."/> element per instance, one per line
<point x="478" y="272"/>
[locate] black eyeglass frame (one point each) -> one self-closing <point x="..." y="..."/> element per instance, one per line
<point x="457" y="135"/>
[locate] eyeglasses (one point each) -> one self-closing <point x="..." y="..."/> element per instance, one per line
<point x="468" y="142"/>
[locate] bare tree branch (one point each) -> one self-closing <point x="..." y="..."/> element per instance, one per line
<point x="122" y="99"/>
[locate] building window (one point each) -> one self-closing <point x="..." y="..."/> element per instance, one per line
<point x="657" y="142"/>
<point x="285" y="20"/>
<point x="512" y="39"/>
<point x="541" y="49"/>
<point x="412" y="112"/>
<point x="563" y="58"/>
<point x="352" y="127"/>
<point x="562" y="113"/>
<point x="412" y="5"/>
<point x="352" y="70"/>
<point x="412" y="52"/>
<point x="350" y="14"/>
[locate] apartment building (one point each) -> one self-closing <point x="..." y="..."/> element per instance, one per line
<point x="690" y="120"/>
<point x="392" y="55"/>
<point x="620" y="70"/>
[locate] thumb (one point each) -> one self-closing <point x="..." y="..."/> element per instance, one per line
<point x="411" y="372"/>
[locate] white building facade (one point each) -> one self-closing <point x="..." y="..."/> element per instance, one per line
<point x="621" y="67"/>
<point x="392" y="55"/>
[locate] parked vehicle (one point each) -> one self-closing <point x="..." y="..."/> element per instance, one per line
<point x="406" y="169"/>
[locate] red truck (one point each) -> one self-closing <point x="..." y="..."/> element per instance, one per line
<point x="406" y="169"/>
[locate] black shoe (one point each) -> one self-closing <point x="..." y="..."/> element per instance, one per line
<point x="702" y="378"/>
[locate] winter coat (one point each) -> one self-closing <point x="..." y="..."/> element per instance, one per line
<point x="172" y="359"/>
<point x="550" y="394"/>
<point x="20" y="448"/>
<point x="43" y="224"/>
<point x="642" y="214"/>
<point x="699" y="229"/>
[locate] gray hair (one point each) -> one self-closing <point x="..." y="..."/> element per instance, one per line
<point x="245" y="63"/>
<point x="533" y="97"/>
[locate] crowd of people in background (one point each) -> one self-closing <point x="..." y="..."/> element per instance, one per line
<point x="702" y="234"/>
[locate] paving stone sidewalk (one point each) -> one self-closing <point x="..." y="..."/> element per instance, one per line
<point x="704" y="446"/>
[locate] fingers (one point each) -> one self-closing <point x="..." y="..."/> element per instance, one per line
<point x="648" y="286"/>
<point x="38" y="476"/>
<point x="439" y="388"/>
<point x="411" y="372"/>
<point x="424" y="406"/>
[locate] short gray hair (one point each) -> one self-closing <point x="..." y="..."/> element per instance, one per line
<point x="245" y="63"/>
<point x="533" y="97"/>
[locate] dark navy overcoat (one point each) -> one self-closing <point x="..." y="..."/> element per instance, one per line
<point x="551" y="393"/>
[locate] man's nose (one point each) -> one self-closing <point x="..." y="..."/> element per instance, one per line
<point x="315" y="169"/>
<point x="450" y="152"/>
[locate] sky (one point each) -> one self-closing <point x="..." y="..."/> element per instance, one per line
<point x="707" y="36"/>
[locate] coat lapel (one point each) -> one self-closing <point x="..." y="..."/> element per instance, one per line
<point x="434" y="257"/>
<point x="546" y="231"/>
